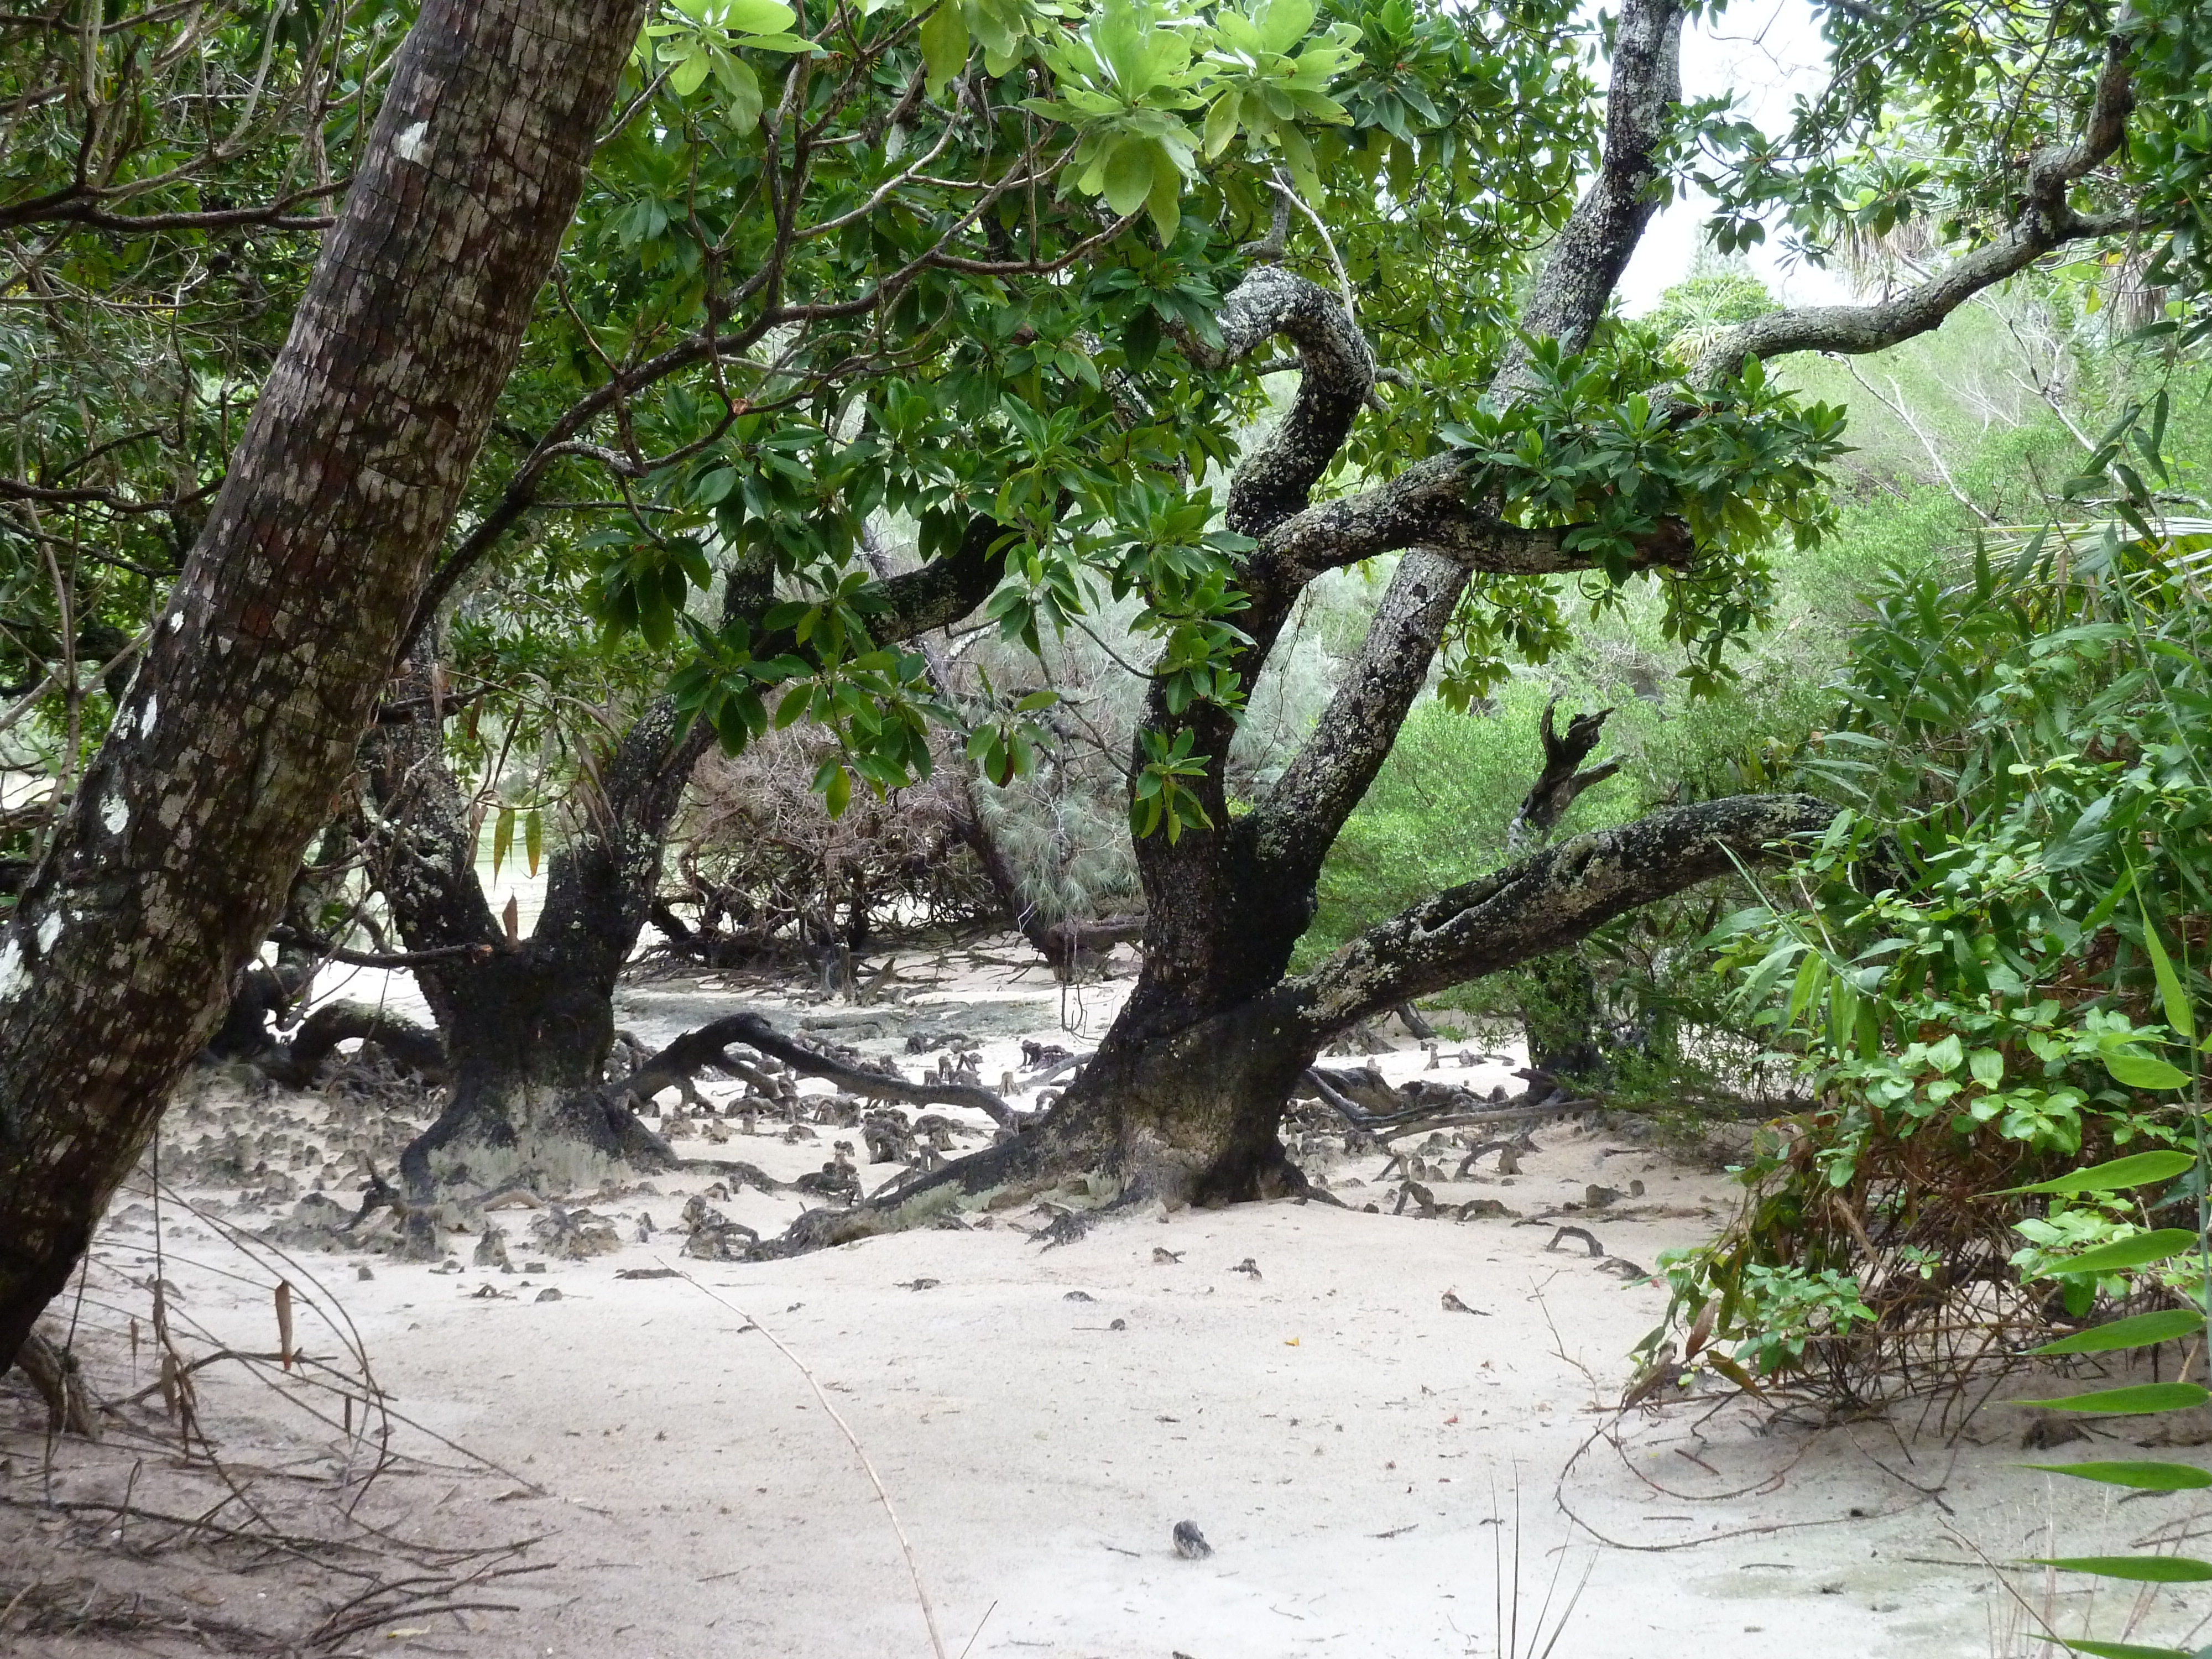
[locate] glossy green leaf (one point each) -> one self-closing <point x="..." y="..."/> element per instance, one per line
<point x="2141" y="1400"/>
<point x="756" y="17"/>
<point x="2141" y="1170"/>
<point x="2171" y="995"/>
<point x="2145" y="1072"/>
<point x="2143" y="1477"/>
<point x="741" y="94"/>
<point x="2123" y="1255"/>
<point x="944" y="43"/>
<point x="691" y="72"/>
<point x="2140" y="1331"/>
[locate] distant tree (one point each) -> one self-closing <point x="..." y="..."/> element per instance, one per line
<point x="1720" y="291"/>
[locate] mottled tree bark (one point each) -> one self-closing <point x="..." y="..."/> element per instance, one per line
<point x="265" y="667"/>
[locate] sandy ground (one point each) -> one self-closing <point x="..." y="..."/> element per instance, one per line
<point x="1360" y="1458"/>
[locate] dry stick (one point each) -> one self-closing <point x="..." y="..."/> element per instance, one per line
<point x="980" y="1623"/>
<point x="1559" y="1499"/>
<point x="914" y="1570"/>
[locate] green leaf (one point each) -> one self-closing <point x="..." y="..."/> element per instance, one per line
<point x="502" y="838"/>
<point x="2143" y="1400"/>
<point x="2124" y="1254"/>
<point x="2143" y="1477"/>
<point x="1221" y="122"/>
<point x="2179" y="1014"/>
<point x="2145" y="1072"/>
<point x="2140" y="1331"/>
<point x="2142" y="1169"/>
<point x="2117" y="1649"/>
<point x="1129" y="175"/>
<point x="757" y="16"/>
<point x="943" y="45"/>
<point x="2081" y="842"/>
<point x="741" y="94"/>
<point x="533" y="835"/>
<point x="1284" y="23"/>
<point x="2142" y="1569"/>
<point x="1165" y="201"/>
<point x="690" y="71"/>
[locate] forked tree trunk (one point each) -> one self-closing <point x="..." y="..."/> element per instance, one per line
<point x="1184" y="1098"/>
<point x="528" y="1022"/>
<point x="243" y="722"/>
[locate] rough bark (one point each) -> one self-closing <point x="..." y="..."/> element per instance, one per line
<point x="264" y="665"/>
<point x="1563" y="780"/>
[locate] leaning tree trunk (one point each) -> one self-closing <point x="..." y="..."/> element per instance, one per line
<point x="243" y="722"/>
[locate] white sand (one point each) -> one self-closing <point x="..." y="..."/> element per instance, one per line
<point x="1356" y="1453"/>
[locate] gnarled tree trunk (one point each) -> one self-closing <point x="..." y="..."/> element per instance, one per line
<point x="1184" y="1098"/>
<point x="265" y="667"/>
<point x="527" y="1022"/>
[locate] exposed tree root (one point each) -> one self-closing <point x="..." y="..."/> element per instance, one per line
<point x="696" y="1050"/>
<point x="297" y="1063"/>
<point x="53" y="1372"/>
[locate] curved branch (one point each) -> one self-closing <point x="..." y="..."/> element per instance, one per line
<point x="1545" y="903"/>
<point x="298" y="1062"/>
<point x="1337" y="371"/>
<point x="1429" y="505"/>
<point x="704" y="1047"/>
<point x="1293" y="829"/>
<point x="2046" y="220"/>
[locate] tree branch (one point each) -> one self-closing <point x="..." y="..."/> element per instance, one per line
<point x="1558" y="784"/>
<point x="1428" y="506"/>
<point x="1545" y="903"/>
<point x="2046" y="220"/>
<point x="1337" y="370"/>
<point x="1294" y="828"/>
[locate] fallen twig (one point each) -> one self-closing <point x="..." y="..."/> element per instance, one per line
<point x="913" y="1569"/>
